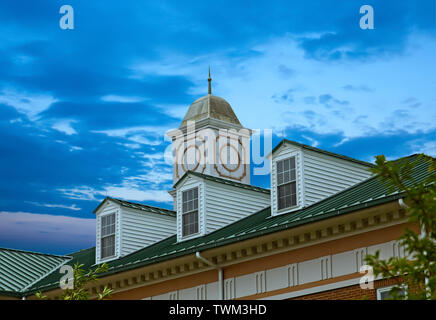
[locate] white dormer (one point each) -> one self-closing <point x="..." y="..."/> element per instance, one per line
<point x="302" y="175"/>
<point x="205" y="203"/>
<point x="124" y="227"/>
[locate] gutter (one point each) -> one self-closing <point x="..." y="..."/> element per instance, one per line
<point x="220" y="274"/>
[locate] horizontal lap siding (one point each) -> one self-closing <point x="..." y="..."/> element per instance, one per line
<point x="141" y="229"/>
<point x="324" y="176"/>
<point x="227" y="204"/>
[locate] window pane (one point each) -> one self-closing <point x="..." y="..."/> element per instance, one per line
<point x="293" y="187"/>
<point x="190" y="223"/>
<point x="292" y="175"/>
<point x="280" y="167"/>
<point x="279" y="178"/>
<point x="287" y="196"/>
<point x="108" y="246"/>
<point x="294" y="200"/>
<point x="286" y="176"/>
<point x="286" y="165"/>
<point x="190" y="200"/>
<point x="286" y="171"/>
<point x="292" y="162"/>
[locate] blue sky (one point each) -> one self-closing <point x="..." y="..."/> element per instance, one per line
<point x="83" y="112"/>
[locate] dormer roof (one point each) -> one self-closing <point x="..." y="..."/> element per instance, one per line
<point x="137" y="206"/>
<point x="328" y="153"/>
<point x="223" y="181"/>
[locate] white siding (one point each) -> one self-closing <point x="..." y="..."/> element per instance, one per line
<point x="108" y="208"/>
<point x="325" y="175"/>
<point x="141" y="229"/>
<point x="226" y="204"/>
<point x="318" y="175"/>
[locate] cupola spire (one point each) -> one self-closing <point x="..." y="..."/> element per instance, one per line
<point x="210" y="83"/>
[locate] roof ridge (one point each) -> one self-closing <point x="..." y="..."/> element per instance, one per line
<point x="124" y="202"/>
<point x="34" y="252"/>
<point x="141" y="204"/>
<point x="213" y="178"/>
<point x="80" y="250"/>
<point x="315" y="149"/>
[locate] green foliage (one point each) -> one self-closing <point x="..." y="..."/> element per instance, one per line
<point x="415" y="273"/>
<point x="81" y="279"/>
<point x="39" y="295"/>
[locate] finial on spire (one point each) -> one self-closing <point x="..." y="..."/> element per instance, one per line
<point x="210" y="80"/>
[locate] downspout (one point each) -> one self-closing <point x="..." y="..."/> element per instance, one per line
<point x="402" y="204"/>
<point x="220" y="274"/>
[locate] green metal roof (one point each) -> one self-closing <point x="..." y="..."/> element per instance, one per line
<point x="222" y="181"/>
<point x="138" y="206"/>
<point x="20" y="269"/>
<point x="336" y="155"/>
<point x="368" y="193"/>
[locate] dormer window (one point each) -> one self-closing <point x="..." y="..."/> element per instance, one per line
<point x="107" y="236"/>
<point x="286" y="183"/>
<point x="190" y="212"/>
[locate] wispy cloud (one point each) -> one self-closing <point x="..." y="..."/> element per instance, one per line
<point x="65" y="126"/>
<point x="122" y="99"/>
<point x="49" y="205"/>
<point x="30" y="104"/>
<point x="361" y="87"/>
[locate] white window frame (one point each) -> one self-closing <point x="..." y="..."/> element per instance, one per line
<point x="278" y="185"/>
<point x="184" y="236"/>
<point x="387" y="289"/>
<point x="108" y="235"/>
